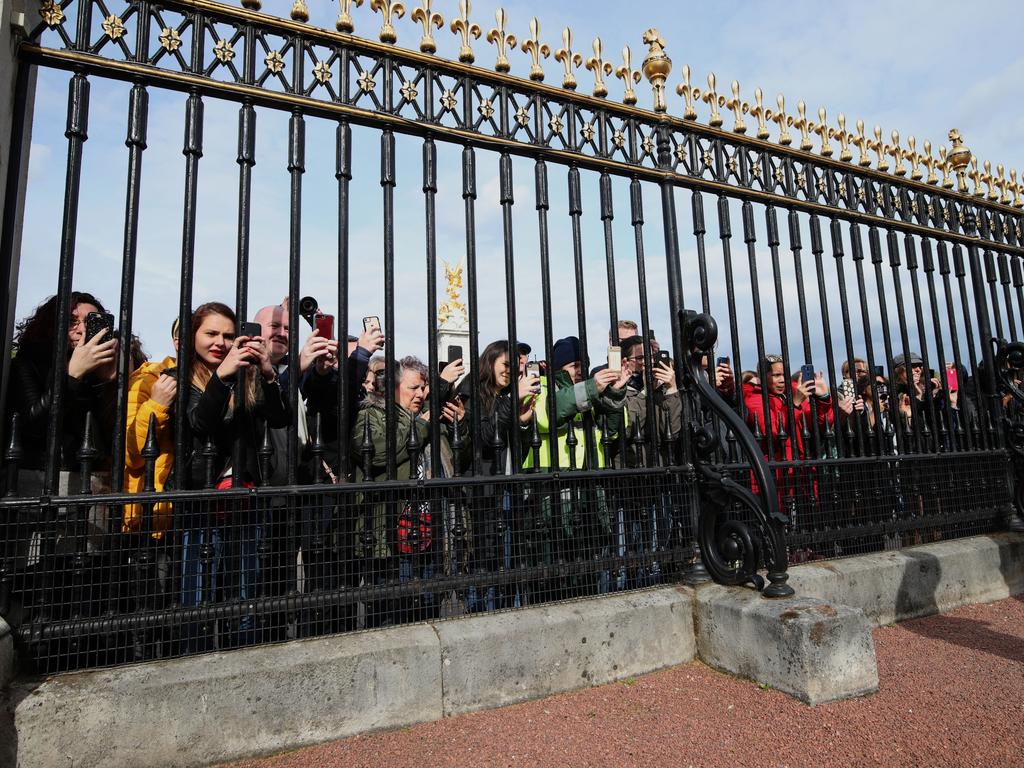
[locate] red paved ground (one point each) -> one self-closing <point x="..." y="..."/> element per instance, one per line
<point x="952" y="693"/>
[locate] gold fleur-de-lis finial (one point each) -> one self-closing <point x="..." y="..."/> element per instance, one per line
<point x="896" y="153"/>
<point x="760" y="113"/>
<point x="657" y="67"/>
<point x="345" y="23"/>
<point x="878" y="147"/>
<point x="568" y="59"/>
<point x="781" y="119"/>
<point x="1017" y="200"/>
<point x="929" y="163"/>
<point x="823" y="132"/>
<point x="300" y="11"/>
<point x="804" y="126"/>
<point x="714" y="101"/>
<point x="503" y="40"/>
<point x="426" y="16"/>
<point x="976" y="178"/>
<point x="915" y="159"/>
<point x="844" y="139"/>
<point x="533" y="46"/>
<point x="628" y="75"/>
<point x="862" y="143"/>
<point x="1004" y="185"/>
<point x="947" y="167"/>
<point x="600" y="68"/>
<point x="387" y="9"/>
<point x="689" y="94"/>
<point x="990" y="181"/>
<point x="738" y="107"/>
<point x="463" y="26"/>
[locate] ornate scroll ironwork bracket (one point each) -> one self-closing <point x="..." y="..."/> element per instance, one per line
<point x="732" y="549"/>
<point x="1009" y="362"/>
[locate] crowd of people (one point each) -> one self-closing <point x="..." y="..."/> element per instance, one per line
<point x="623" y="415"/>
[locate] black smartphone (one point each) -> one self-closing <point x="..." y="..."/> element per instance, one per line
<point x="721" y="361"/>
<point x="172" y="371"/>
<point x="454" y="353"/>
<point x="932" y="374"/>
<point x="250" y="329"/>
<point x="807" y="372"/>
<point x="96" y="322"/>
<point x="879" y="370"/>
<point x="664" y="356"/>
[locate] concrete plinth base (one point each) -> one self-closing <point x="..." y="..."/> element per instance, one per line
<point x="813" y="650"/>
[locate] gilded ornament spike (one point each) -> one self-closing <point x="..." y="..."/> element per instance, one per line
<point x="896" y="152"/>
<point x="976" y="178"/>
<point x="344" y="22"/>
<point x="804" y="126"/>
<point x="430" y="20"/>
<point x="569" y="60"/>
<point x="738" y="107"/>
<point x="252" y="5"/>
<point x="990" y="181"/>
<point x="1004" y="186"/>
<point x="689" y="94"/>
<point x="914" y="158"/>
<point x="1018" y="201"/>
<point x="947" y="168"/>
<point x="783" y="120"/>
<point x="844" y="139"/>
<point x="463" y="26"/>
<point x="713" y="100"/>
<point x="628" y="75"/>
<point x="657" y="67"/>
<point x="300" y="11"/>
<point x="387" y="9"/>
<point x="929" y="163"/>
<point x="863" y="144"/>
<point x="759" y="112"/>
<point x="878" y="147"/>
<point x="600" y="68"/>
<point x="536" y="49"/>
<point x="503" y="40"/>
<point x="959" y="159"/>
<point x="824" y="132"/>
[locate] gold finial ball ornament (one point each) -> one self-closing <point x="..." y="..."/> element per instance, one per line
<point x="959" y="156"/>
<point x="300" y="11"/>
<point x="252" y="5"/>
<point x="657" y="67"/>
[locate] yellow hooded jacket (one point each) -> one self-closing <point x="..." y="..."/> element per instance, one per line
<point x="140" y="406"/>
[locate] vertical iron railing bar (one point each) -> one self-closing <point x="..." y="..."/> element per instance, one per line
<point x="346" y="393"/>
<point x="990" y="277"/>
<point x="246" y="160"/>
<point x="543" y="205"/>
<point x="876" y="259"/>
<point x="796" y="248"/>
<point x="607" y="221"/>
<point x="979" y="434"/>
<point x="387" y="183"/>
<point x="988" y="381"/>
<point x="296" y="168"/>
<point x="910" y="249"/>
<point x="699" y="230"/>
<point x="138" y="115"/>
<point x="1018" y="284"/>
<point x="963" y="432"/>
<point x="469" y="194"/>
<point x="507" y="200"/>
<point x="1004" y="280"/>
<point x="430" y="238"/>
<point x="817" y="250"/>
<point x="725" y="234"/>
<point x="575" y="214"/>
<point x="940" y="347"/>
<point x="652" y="436"/>
<point x="791" y="435"/>
<point x="750" y="239"/>
<point x="77" y="134"/>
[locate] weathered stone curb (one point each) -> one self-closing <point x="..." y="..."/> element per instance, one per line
<point x="813" y="650"/>
<point x="919" y="581"/>
<point x="6" y="654"/>
<point x="492" y="661"/>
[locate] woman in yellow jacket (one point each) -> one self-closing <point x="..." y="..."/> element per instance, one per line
<point x="152" y="389"/>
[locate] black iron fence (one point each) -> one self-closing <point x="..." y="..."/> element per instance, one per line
<point x="856" y="401"/>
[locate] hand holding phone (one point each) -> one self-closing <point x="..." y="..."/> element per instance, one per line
<point x="371" y="323"/>
<point x="614" y="358"/>
<point x="250" y="329"/>
<point x="98" y="321"/>
<point x="454" y="353"/>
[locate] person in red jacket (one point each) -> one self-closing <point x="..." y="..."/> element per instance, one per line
<point x="781" y="438"/>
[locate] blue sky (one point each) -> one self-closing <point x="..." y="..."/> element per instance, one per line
<point x="921" y="68"/>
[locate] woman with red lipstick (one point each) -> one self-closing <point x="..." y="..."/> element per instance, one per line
<point x="217" y="355"/>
